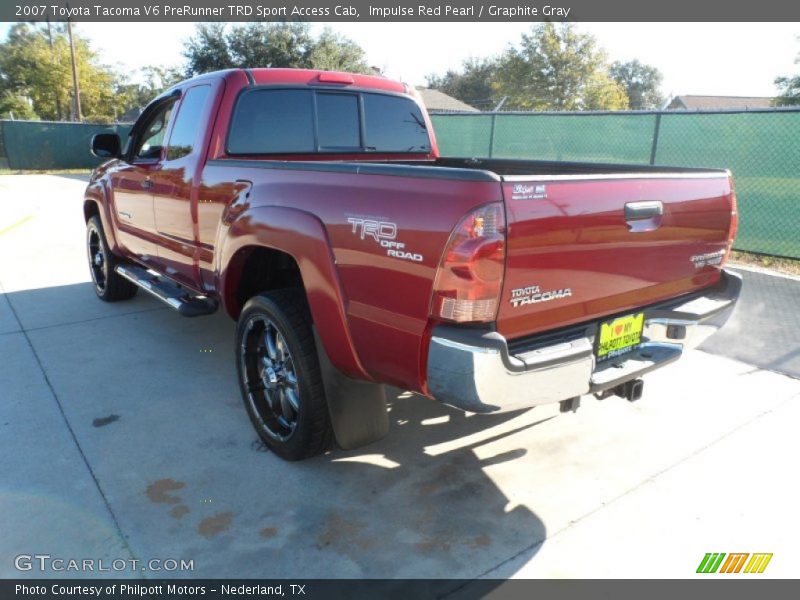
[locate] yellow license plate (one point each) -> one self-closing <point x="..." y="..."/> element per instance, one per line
<point x="620" y="336"/>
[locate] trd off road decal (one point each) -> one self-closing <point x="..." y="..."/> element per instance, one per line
<point x="385" y="234"/>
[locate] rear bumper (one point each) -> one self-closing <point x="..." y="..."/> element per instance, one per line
<point x="473" y="369"/>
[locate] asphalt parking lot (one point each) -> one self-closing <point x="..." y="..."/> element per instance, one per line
<point x="123" y="436"/>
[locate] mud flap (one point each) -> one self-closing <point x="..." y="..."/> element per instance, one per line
<point x="358" y="409"/>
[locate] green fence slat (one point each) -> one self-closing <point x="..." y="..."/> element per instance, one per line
<point x="591" y="138"/>
<point x="468" y="137"/>
<point x="37" y="145"/>
<point x="763" y="152"/>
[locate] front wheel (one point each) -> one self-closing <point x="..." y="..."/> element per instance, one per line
<point x="279" y="375"/>
<point x="108" y="284"/>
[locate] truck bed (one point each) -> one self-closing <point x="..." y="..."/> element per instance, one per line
<point x="507" y="168"/>
<point x="575" y="249"/>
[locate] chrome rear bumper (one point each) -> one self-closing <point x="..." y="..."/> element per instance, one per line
<point x="474" y="370"/>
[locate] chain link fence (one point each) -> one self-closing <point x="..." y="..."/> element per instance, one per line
<point x="40" y="145"/>
<point x="760" y="147"/>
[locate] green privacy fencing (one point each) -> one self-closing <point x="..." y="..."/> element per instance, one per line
<point x="40" y="145"/>
<point x="760" y="147"/>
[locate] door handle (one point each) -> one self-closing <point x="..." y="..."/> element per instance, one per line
<point x="644" y="216"/>
<point x="147" y="184"/>
<point x="646" y="209"/>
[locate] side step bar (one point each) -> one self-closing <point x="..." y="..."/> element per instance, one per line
<point x="170" y="293"/>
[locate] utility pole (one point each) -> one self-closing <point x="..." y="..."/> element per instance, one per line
<point x="49" y="33"/>
<point x="53" y="52"/>
<point x="75" y="87"/>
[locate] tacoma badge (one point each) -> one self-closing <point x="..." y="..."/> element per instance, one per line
<point x="533" y="294"/>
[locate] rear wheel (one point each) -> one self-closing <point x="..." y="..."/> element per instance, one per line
<point x="279" y="375"/>
<point x="108" y="284"/>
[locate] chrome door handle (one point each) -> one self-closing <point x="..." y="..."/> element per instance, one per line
<point x="646" y="209"/>
<point x="147" y="184"/>
<point x="644" y="216"/>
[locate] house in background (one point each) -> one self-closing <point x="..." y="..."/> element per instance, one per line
<point x="436" y="101"/>
<point x="718" y="102"/>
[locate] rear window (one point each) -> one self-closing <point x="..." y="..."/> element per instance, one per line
<point x="337" y="121"/>
<point x="394" y="125"/>
<point x="281" y="121"/>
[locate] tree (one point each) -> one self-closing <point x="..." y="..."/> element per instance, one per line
<point x="334" y="52"/>
<point x="558" y="68"/>
<point x="15" y="106"/>
<point x="36" y="71"/>
<point x="789" y="87"/>
<point x="472" y="84"/>
<point x="152" y="81"/>
<point x="207" y="50"/>
<point x="642" y="83"/>
<point x="214" y="47"/>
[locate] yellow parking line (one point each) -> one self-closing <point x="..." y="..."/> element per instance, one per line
<point x="17" y="224"/>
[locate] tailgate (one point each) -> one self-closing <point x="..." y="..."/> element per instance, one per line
<point x="581" y="247"/>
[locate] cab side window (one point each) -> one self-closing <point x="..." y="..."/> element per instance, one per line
<point x="151" y="141"/>
<point x="184" y="134"/>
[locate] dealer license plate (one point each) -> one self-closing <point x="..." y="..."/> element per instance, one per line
<point x="619" y="336"/>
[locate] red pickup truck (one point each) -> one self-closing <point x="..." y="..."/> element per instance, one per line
<point x="315" y="209"/>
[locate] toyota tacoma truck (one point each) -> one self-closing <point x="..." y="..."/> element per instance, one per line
<point x="314" y="208"/>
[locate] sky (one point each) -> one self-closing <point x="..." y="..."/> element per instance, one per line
<point x="736" y="59"/>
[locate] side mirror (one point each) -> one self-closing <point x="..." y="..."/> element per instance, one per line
<point x="106" y="145"/>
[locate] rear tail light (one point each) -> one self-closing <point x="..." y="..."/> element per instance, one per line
<point x="734" y="218"/>
<point x="470" y="276"/>
<point x="734" y="224"/>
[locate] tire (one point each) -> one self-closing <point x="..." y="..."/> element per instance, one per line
<point x="279" y="375"/>
<point x="109" y="285"/>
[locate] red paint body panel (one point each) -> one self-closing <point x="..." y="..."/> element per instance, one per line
<point x="312" y="77"/>
<point x="175" y="199"/>
<point x="303" y="236"/>
<point x="577" y="238"/>
<point x="383" y="298"/>
<point x="207" y="210"/>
